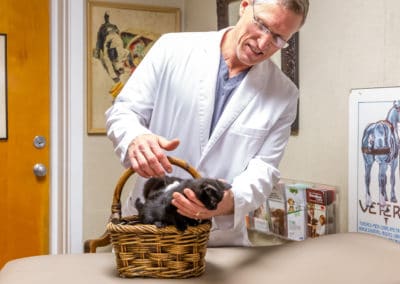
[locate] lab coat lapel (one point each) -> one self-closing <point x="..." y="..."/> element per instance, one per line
<point x="207" y="83"/>
<point x="239" y="100"/>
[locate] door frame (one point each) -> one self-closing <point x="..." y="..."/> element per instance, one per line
<point x="66" y="126"/>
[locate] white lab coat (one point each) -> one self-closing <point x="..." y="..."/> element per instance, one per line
<point x="172" y="94"/>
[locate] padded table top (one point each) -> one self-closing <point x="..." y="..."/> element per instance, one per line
<point x="339" y="258"/>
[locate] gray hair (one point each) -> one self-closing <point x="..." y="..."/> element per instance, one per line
<point x="300" y="7"/>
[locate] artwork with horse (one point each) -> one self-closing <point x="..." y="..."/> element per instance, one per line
<point x="380" y="143"/>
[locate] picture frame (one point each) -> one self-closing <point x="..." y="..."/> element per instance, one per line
<point x="373" y="150"/>
<point x="118" y="37"/>
<point x="286" y="58"/>
<point x="3" y="88"/>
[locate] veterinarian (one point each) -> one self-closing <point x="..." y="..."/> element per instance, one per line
<point x="217" y="101"/>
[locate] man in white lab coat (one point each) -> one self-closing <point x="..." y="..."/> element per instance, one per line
<point x="215" y="100"/>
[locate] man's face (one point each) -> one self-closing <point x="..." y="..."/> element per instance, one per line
<point x="254" y="45"/>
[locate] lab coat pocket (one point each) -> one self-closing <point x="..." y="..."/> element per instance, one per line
<point x="255" y="133"/>
<point x="245" y="142"/>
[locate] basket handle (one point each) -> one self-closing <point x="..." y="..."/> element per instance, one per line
<point x="116" y="204"/>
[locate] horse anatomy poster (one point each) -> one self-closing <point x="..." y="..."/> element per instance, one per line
<point x="374" y="179"/>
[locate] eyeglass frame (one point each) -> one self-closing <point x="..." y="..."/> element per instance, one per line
<point x="275" y="38"/>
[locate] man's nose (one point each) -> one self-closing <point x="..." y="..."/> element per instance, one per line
<point x="264" y="41"/>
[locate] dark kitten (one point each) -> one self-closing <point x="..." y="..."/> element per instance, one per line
<point x="157" y="208"/>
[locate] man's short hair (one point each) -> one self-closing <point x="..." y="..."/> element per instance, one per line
<point x="299" y="7"/>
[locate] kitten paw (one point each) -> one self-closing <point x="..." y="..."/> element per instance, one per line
<point x="193" y="222"/>
<point x="181" y="227"/>
<point x="160" y="224"/>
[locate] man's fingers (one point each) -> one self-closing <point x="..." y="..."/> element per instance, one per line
<point x="168" y="145"/>
<point x="162" y="159"/>
<point x="154" y="164"/>
<point x="140" y="165"/>
<point x="192" y="197"/>
<point x="146" y="153"/>
<point x="165" y="164"/>
<point x="183" y="205"/>
<point x="189" y="208"/>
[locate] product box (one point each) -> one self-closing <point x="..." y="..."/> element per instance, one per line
<point x="296" y="204"/>
<point x="321" y="210"/>
<point x="296" y="210"/>
<point x="260" y="219"/>
<point x="276" y="204"/>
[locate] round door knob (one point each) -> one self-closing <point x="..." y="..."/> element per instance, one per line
<point x="39" y="170"/>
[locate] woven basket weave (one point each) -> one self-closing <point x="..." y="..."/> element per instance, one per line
<point x="147" y="251"/>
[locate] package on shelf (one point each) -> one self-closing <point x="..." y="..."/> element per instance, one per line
<point x="269" y="217"/>
<point x="296" y="204"/>
<point x="258" y="219"/>
<point x="321" y="210"/>
<point x="276" y="205"/>
<point x="296" y="210"/>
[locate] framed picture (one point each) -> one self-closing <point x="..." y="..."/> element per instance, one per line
<point x="118" y="37"/>
<point x="3" y="87"/>
<point x="287" y="58"/>
<point x="374" y="180"/>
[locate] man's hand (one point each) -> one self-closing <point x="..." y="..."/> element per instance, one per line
<point x="188" y="205"/>
<point x="147" y="157"/>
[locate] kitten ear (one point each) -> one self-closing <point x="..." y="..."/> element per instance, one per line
<point x="209" y="189"/>
<point x="223" y="184"/>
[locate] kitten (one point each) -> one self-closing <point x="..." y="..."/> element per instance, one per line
<point x="157" y="208"/>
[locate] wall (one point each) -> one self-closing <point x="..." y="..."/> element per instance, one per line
<point x="345" y="44"/>
<point x="200" y="15"/>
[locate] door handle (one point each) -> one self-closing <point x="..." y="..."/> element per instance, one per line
<point x="39" y="170"/>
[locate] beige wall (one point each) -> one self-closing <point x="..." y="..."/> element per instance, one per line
<point x="345" y="44"/>
<point x="200" y="15"/>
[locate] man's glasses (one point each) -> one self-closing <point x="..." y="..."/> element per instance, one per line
<point x="276" y="39"/>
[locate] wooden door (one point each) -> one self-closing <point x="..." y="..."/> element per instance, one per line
<point x="24" y="197"/>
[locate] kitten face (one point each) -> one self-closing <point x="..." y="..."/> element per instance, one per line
<point x="211" y="193"/>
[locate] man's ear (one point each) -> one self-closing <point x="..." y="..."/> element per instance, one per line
<point x="243" y="5"/>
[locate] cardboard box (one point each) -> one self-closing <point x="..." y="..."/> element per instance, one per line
<point x="321" y="211"/>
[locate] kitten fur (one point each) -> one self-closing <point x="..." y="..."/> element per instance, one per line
<point x="157" y="208"/>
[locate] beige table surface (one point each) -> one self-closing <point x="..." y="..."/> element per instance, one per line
<point x="341" y="258"/>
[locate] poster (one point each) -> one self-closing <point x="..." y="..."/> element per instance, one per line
<point x="374" y="145"/>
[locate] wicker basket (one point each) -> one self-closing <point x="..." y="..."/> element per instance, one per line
<point x="147" y="251"/>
